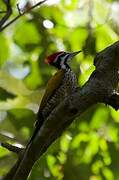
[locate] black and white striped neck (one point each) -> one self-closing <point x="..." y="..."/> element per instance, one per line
<point x="61" y="59"/>
<point x="61" y="62"/>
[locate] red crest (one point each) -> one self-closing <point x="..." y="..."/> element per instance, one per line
<point x="51" y="58"/>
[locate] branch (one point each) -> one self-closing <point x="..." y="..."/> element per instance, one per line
<point x="20" y="15"/>
<point x="100" y="87"/>
<point x="113" y="100"/>
<point x="1" y="12"/>
<point x="11" y="148"/>
<point x="8" y="13"/>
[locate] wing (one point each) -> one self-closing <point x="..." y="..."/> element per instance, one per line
<point x="52" y="85"/>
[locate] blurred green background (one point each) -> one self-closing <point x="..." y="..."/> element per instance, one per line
<point x="89" y="148"/>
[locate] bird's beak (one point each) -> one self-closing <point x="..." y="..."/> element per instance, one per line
<point x="74" y="53"/>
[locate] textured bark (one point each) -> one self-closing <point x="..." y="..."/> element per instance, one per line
<point x="100" y="88"/>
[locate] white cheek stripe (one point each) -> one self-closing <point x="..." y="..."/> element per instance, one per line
<point x="63" y="60"/>
<point x="58" y="56"/>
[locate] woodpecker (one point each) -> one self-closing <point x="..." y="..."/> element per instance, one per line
<point x="62" y="84"/>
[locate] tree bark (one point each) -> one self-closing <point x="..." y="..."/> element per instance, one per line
<point x="100" y="88"/>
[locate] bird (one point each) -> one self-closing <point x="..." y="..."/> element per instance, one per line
<point x="62" y="84"/>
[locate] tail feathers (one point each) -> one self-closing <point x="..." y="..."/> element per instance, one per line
<point x="38" y="125"/>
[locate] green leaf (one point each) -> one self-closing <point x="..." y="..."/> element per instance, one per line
<point x="100" y="117"/>
<point x="4" y="49"/>
<point x="27" y="34"/>
<point x="12" y="85"/>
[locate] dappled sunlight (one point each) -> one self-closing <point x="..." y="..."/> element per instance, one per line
<point x="89" y="148"/>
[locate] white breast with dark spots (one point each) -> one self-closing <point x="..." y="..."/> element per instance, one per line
<point x="67" y="87"/>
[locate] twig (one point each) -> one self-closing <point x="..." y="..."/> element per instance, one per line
<point x="12" y="148"/>
<point x="8" y="13"/>
<point x="2" y="12"/>
<point x="17" y="17"/>
<point x="100" y="88"/>
<point x="19" y="10"/>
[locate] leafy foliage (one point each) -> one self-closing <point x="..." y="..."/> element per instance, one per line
<point x="89" y="148"/>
